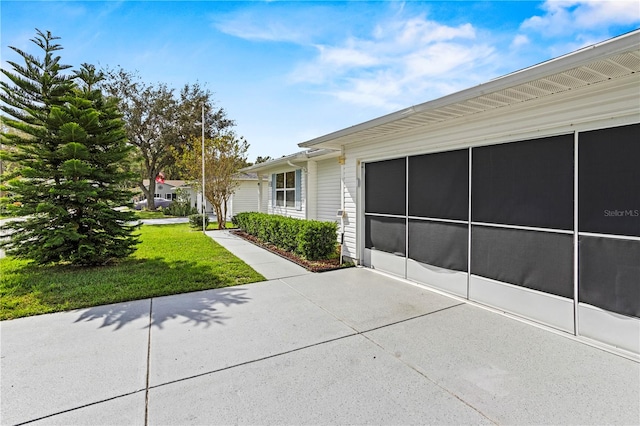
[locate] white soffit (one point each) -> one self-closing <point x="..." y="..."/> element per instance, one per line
<point x="438" y="111"/>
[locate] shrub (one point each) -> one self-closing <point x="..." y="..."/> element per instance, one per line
<point x="311" y="239"/>
<point x="317" y="240"/>
<point x="180" y="209"/>
<point x="195" y="221"/>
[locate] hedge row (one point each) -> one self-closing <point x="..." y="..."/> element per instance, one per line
<point x="310" y="239"/>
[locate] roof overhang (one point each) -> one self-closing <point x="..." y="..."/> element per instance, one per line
<point x="299" y="159"/>
<point x="611" y="59"/>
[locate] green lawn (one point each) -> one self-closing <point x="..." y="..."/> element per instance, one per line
<point x="148" y="214"/>
<point x="170" y="259"/>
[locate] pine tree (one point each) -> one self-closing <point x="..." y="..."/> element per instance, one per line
<point x="70" y="175"/>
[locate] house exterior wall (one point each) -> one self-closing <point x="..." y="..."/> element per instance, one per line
<point x="328" y="189"/>
<point x="608" y="104"/>
<point x="244" y="198"/>
<point x="165" y="190"/>
<point x="299" y="211"/>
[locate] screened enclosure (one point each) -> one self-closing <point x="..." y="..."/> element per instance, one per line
<point x="546" y="228"/>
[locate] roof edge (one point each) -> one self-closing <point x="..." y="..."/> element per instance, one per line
<point x="556" y="65"/>
<point x="302" y="156"/>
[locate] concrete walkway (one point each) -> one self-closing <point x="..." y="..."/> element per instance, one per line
<point x="342" y="347"/>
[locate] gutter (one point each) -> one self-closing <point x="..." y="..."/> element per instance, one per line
<point x="288" y="159"/>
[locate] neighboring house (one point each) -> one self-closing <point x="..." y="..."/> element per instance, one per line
<point x="167" y="189"/>
<point x="305" y="185"/>
<point x="522" y="193"/>
<point x="244" y="198"/>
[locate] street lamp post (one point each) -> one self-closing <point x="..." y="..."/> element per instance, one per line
<point x="204" y="205"/>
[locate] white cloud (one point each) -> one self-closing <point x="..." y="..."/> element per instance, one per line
<point x="565" y="26"/>
<point x="519" y="41"/>
<point x="275" y="22"/>
<point x="402" y="62"/>
<point x="255" y="31"/>
<point x="565" y="17"/>
<point x="421" y="30"/>
<point x="346" y="57"/>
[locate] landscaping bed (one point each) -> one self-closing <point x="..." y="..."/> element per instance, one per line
<point x="322" y="265"/>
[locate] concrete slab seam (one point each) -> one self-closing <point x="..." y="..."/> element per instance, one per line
<point x="292" y="276"/>
<point x="411" y="366"/>
<point x="146" y="385"/>
<point x="372" y="329"/>
<point x="426" y="376"/>
<point x="412" y="318"/>
<point x="79" y="407"/>
<point x="356" y="333"/>
<point x="206" y="373"/>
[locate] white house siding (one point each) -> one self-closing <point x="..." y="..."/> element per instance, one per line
<point x="328" y="189"/>
<point x="610" y="104"/>
<point x="264" y="196"/>
<point x="298" y="212"/>
<point x="245" y="197"/>
<point x="351" y="195"/>
<point x="607" y="104"/>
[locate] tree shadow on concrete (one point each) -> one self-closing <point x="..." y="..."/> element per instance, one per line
<point x="203" y="305"/>
<point x="202" y="308"/>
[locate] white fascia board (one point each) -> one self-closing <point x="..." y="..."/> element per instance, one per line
<point x="584" y="56"/>
<point x="299" y="157"/>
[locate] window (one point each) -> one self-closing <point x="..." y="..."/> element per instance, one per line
<point x="286" y="189"/>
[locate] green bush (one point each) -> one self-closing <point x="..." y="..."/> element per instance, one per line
<point x="195" y="221"/>
<point x="180" y="209"/>
<point x="317" y="240"/>
<point x="311" y="239"/>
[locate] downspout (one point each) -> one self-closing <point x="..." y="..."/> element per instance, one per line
<point x="304" y="169"/>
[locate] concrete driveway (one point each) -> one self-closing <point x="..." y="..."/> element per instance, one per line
<point x="342" y="347"/>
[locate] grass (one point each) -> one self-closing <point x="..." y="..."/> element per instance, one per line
<point x="170" y="259"/>
<point x="148" y="214"/>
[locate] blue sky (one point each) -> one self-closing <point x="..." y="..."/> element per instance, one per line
<point x="287" y="72"/>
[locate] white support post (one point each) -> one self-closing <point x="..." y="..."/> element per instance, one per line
<point x="204" y="202"/>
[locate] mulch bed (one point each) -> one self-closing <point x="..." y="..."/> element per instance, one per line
<point x="310" y="265"/>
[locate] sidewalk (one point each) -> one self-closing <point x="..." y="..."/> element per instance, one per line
<point x="342" y="347"/>
<point x="270" y="265"/>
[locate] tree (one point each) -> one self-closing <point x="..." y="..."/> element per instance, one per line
<point x="69" y="153"/>
<point x="224" y="156"/>
<point x="260" y="159"/>
<point x="159" y="123"/>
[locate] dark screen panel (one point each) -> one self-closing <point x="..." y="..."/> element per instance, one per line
<point x="538" y="260"/>
<point x="527" y="183"/>
<point x="385" y="191"/>
<point x="439" y="185"/>
<point x="609" y="274"/>
<point x="609" y="181"/>
<point x="385" y="234"/>
<point x="439" y="244"/>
